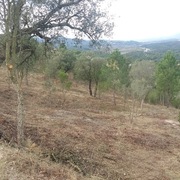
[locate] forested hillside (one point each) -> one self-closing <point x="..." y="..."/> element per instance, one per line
<point x="133" y="50"/>
<point x="155" y="50"/>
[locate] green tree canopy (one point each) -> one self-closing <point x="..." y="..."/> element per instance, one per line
<point x="89" y="68"/>
<point x="62" y="59"/>
<point x="167" y="76"/>
<point x="142" y="75"/>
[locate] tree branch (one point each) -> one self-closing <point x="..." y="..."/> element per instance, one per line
<point x="42" y="24"/>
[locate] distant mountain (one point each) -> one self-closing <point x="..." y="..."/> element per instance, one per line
<point x="73" y="43"/>
<point x="88" y="45"/>
<point x="123" y="44"/>
<point x="134" y="50"/>
<point x="156" y="50"/>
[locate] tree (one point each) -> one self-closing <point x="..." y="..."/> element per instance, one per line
<point x="113" y="77"/>
<point x="97" y="65"/>
<point x="67" y="59"/>
<point x="142" y="79"/>
<point x="62" y="59"/>
<point x="65" y="83"/>
<point x="24" y="19"/>
<point x="116" y="72"/>
<point x="167" y="77"/>
<point x="2" y="49"/>
<point x="122" y="65"/>
<point x="88" y="68"/>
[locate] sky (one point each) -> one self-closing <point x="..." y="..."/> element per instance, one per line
<point x="145" y="19"/>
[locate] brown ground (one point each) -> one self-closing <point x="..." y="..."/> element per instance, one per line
<point x="86" y="138"/>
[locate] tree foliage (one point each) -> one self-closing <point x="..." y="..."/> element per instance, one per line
<point x="116" y="73"/>
<point x="167" y="77"/>
<point x="142" y="76"/>
<point x="62" y="59"/>
<point x="47" y="17"/>
<point x="88" y="68"/>
<point x="65" y="84"/>
<point x="122" y="65"/>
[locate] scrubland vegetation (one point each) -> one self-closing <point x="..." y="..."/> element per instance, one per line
<point x="85" y="119"/>
<point x="74" y="114"/>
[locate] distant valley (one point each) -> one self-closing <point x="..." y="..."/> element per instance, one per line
<point x="152" y="50"/>
<point x="133" y="50"/>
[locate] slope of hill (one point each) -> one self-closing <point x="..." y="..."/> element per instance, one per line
<point x="86" y="138"/>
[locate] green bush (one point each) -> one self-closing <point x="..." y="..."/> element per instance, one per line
<point x="61" y="60"/>
<point x="152" y="97"/>
<point x="176" y="102"/>
<point x="52" y="68"/>
<point x="63" y="77"/>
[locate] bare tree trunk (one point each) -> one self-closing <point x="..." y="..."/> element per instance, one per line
<point x="142" y="102"/>
<point x="64" y="97"/>
<point x="20" y="116"/>
<point x="8" y="43"/>
<point x="132" y="111"/>
<point x="12" y="15"/>
<point x="168" y="99"/>
<point x="163" y="96"/>
<point x="8" y="79"/>
<point x="26" y="78"/>
<point x="125" y="97"/>
<point x="95" y="90"/>
<point x="114" y="95"/>
<point x="90" y="87"/>
<point x="162" y="100"/>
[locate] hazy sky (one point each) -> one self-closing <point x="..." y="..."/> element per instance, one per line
<point x="145" y="19"/>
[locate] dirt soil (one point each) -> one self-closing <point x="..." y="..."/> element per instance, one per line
<point x="86" y="137"/>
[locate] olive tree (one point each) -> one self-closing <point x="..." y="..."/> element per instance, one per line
<point x="65" y="84"/>
<point x="45" y="19"/>
<point x="142" y="75"/>
<point x="88" y="68"/>
<point x="116" y="73"/>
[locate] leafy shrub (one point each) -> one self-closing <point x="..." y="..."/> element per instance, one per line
<point x="52" y="68"/>
<point x="153" y="97"/>
<point x="61" y="60"/>
<point x="176" y="102"/>
<point x="63" y="77"/>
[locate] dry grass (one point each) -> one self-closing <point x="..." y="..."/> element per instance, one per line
<point x="88" y="138"/>
<point x="21" y="164"/>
